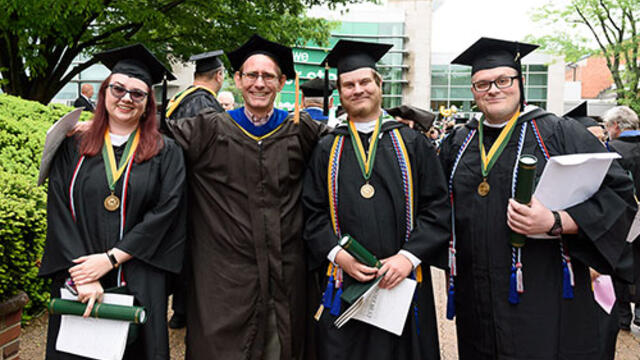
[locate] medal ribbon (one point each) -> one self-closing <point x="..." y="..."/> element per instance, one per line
<point x="488" y="160"/>
<point x="113" y="173"/>
<point x="366" y="166"/>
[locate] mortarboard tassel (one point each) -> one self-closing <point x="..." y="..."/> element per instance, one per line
<point x="296" y="111"/>
<point x="163" y="111"/>
<point x="328" y="292"/>
<point x="335" y="306"/>
<point x="513" y="287"/>
<point x="325" y="91"/>
<point x="451" y="306"/>
<point x="567" y="287"/>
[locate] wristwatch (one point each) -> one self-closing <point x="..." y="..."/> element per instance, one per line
<point x="556" y="229"/>
<point x="113" y="260"/>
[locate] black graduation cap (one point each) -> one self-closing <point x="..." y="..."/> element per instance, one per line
<point x="487" y="53"/>
<point x="349" y="55"/>
<point x="281" y="54"/>
<point x="423" y="118"/>
<point x="579" y="113"/>
<point x="207" y="61"/>
<point x="135" y="61"/>
<point x="315" y="87"/>
<point x="138" y="62"/>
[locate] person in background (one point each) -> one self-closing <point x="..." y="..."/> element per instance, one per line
<point x="624" y="131"/>
<point x="207" y="81"/>
<point x="84" y="100"/>
<point x="579" y="114"/>
<point x="313" y="98"/>
<point x="226" y="100"/>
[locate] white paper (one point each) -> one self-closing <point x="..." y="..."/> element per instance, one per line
<point x="102" y="339"/>
<point x="568" y="180"/>
<point x="635" y="228"/>
<point x="383" y="308"/>
<point x="55" y="136"/>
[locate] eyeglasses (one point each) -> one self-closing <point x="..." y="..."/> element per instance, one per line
<point x="502" y="82"/>
<point x="120" y="91"/>
<point x="253" y="76"/>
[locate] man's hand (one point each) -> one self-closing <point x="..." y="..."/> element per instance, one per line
<point x="90" y="268"/>
<point x="354" y="268"/>
<point x="89" y="294"/>
<point x="395" y="269"/>
<point x="529" y="220"/>
<point x="80" y="127"/>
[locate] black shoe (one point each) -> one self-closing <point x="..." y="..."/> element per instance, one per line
<point x="177" y="321"/>
<point x="623" y="326"/>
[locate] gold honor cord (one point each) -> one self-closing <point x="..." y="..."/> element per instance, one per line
<point x="112" y="202"/>
<point x="366" y="162"/>
<point x="488" y="160"/>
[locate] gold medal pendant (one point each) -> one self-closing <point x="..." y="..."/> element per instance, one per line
<point x="111" y="202"/>
<point x="367" y="191"/>
<point x="483" y="188"/>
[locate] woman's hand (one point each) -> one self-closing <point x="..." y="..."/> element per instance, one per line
<point x="88" y="294"/>
<point x="90" y="268"/>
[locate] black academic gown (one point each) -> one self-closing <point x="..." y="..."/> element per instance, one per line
<point x="154" y="234"/>
<point x="194" y="103"/>
<point x="379" y="224"/>
<point x="543" y="325"/>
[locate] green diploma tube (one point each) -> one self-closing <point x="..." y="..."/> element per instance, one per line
<point x="524" y="190"/>
<point x="355" y="249"/>
<point x="134" y="314"/>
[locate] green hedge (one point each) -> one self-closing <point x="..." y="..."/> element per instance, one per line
<point x="23" y="222"/>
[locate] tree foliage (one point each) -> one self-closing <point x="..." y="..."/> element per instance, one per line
<point x="39" y="39"/>
<point x="613" y="28"/>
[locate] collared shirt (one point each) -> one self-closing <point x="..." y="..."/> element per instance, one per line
<point x="257" y="121"/>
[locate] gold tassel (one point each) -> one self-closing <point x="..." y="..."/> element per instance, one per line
<point x="419" y="274"/>
<point x="296" y="111"/>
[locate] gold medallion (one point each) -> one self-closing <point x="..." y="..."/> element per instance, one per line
<point x="111" y="202"/>
<point x="367" y="191"/>
<point x="483" y="188"/>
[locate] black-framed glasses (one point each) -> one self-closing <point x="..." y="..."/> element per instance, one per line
<point x="502" y="82"/>
<point x="254" y="76"/>
<point x="119" y="92"/>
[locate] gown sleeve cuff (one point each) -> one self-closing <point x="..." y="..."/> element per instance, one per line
<point x="332" y="254"/>
<point x="414" y="260"/>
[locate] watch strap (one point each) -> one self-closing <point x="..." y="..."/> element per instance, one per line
<point x="556" y="229"/>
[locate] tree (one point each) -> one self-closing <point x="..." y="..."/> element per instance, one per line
<point x="613" y="26"/>
<point x="39" y="39"/>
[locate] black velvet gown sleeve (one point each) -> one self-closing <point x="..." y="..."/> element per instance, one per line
<point x="605" y="218"/>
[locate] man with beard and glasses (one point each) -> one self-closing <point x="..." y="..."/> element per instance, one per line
<point x="379" y="181"/>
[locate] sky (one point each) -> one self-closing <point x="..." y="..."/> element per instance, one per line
<point x="456" y="24"/>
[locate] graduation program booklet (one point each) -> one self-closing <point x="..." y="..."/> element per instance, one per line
<point x="94" y="338"/>
<point x="55" y="136"/>
<point x="383" y="308"/>
<point x="568" y="180"/>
